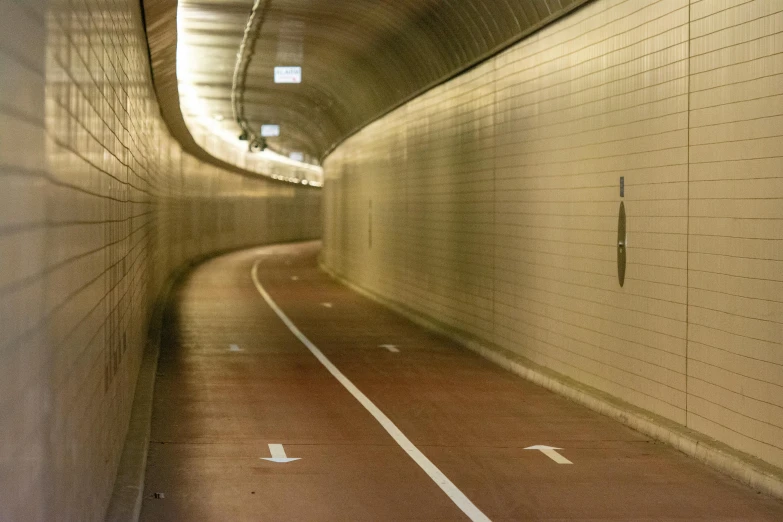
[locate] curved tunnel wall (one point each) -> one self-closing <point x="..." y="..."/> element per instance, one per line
<point x="99" y="205"/>
<point x="490" y="204"/>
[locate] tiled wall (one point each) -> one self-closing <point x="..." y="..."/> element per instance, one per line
<point x="97" y="206"/>
<point x="735" y="261"/>
<point x="491" y="205"/>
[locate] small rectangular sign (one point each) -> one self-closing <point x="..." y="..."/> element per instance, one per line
<point x="622" y="186"/>
<point x="288" y="75"/>
<point x="270" y="131"/>
<point x="296" y="156"/>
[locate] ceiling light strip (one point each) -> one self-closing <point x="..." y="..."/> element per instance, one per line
<point x="244" y="56"/>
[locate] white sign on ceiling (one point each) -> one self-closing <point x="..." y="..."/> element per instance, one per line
<point x="296" y="156"/>
<point x="288" y="75"/>
<point x="270" y="131"/>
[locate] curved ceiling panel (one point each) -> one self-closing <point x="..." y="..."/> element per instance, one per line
<point x="359" y="58"/>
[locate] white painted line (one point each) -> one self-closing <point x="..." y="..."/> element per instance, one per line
<point x="326" y="305"/>
<point x="391" y="347"/>
<point x="550" y="452"/>
<point x="443" y="482"/>
<point x="234" y="348"/>
<point x="294" y="278"/>
<point x="278" y="454"/>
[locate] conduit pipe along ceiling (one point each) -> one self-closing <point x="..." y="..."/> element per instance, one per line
<point x="359" y="58"/>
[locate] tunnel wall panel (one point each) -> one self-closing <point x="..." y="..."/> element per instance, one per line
<point x="735" y="260"/>
<point x="490" y="204"/>
<point x="98" y="207"/>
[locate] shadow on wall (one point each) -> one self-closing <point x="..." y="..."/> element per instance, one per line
<point x="98" y="206"/>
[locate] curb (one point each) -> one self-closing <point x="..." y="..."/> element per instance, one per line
<point x="126" y="498"/>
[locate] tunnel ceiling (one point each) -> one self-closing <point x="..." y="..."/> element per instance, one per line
<point x="359" y="58"/>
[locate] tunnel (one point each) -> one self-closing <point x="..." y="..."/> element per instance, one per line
<point x="391" y="260"/>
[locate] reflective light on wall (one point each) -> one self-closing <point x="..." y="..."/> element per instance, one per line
<point x="213" y="131"/>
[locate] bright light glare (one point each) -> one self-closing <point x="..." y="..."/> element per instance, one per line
<point x="288" y="74"/>
<point x="206" y="125"/>
<point x="270" y="130"/>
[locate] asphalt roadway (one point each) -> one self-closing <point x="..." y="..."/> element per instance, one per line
<point x="265" y="357"/>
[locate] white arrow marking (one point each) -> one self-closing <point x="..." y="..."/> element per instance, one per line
<point x="326" y="305"/>
<point x="550" y="452"/>
<point x="391" y="347"/>
<point x="278" y="454"/>
<point x="234" y="348"/>
<point x="294" y="278"/>
<point x="441" y="480"/>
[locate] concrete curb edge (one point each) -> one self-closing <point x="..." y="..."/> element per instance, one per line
<point x="125" y="503"/>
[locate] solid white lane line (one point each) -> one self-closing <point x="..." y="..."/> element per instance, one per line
<point x="448" y="487"/>
<point x="326" y="305"/>
<point x="234" y="348"/>
<point x="391" y="347"/>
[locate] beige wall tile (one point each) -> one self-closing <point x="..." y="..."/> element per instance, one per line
<point x="96" y="197"/>
<point x="509" y="208"/>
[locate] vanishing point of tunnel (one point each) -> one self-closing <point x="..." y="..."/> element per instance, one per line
<point x="391" y="260"/>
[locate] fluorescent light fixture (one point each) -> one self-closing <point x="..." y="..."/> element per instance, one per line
<point x="288" y="75"/>
<point x="218" y="117"/>
<point x="270" y="131"/>
<point x="296" y="156"/>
